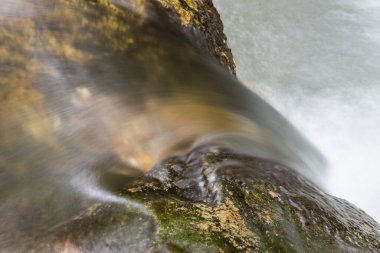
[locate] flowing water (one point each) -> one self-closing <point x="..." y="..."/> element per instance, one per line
<point x="318" y="63"/>
<point x="91" y="96"/>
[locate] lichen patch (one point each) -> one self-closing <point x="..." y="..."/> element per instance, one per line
<point x="226" y="219"/>
<point x="185" y="9"/>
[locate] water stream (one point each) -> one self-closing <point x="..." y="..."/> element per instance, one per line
<point x="90" y="95"/>
<point x="318" y="63"/>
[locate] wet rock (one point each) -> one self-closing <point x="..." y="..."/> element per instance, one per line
<point x="272" y="210"/>
<point x="200" y="22"/>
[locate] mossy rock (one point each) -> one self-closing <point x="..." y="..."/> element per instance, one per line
<point x="219" y="201"/>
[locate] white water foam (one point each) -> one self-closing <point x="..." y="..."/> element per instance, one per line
<point x="318" y="63"/>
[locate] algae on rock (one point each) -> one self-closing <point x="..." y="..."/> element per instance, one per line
<point x="269" y="209"/>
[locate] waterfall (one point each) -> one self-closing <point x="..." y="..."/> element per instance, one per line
<point x="92" y="99"/>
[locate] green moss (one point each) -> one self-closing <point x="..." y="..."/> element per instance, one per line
<point x="276" y="244"/>
<point x="177" y="224"/>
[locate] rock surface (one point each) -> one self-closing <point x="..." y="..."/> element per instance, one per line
<point x="216" y="201"/>
<point x="200" y="22"/>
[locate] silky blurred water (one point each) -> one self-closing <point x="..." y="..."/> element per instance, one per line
<point x="91" y="99"/>
<point x="318" y="63"/>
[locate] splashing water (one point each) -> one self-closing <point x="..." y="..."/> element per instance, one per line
<point x="318" y="63"/>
